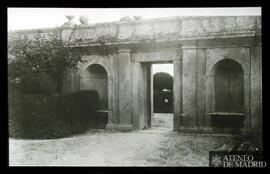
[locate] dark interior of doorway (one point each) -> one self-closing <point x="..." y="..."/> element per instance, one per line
<point x="162" y="95"/>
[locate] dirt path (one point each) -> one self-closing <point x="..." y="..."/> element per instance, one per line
<point x="156" y="147"/>
<point x="152" y="147"/>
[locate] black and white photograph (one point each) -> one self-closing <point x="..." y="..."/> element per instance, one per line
<point x="151" y="87"/>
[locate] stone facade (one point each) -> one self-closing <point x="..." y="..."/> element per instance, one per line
<point x="195" y="45"/>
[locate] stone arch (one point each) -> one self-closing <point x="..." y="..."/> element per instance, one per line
<point x="228" y="78"/>
<point x="211" y="68"/>
<point x="95" y="77"/>
<point x="100" y="60"/>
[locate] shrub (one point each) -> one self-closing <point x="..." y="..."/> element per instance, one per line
<point x="76" y="108"/>
<point x="160" y="106"/>
<point x="38" y="84"/>
<point x="41" y="116"/>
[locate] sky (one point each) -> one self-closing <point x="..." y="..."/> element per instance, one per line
<point x="31" y="18"/>
<point x="168" y="68"/>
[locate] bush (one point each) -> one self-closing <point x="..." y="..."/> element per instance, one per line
<point x="38" y="84"/>
<point x="41" y="116"/>
<point x="77" y="108"/>
<point x="160" y="106"/>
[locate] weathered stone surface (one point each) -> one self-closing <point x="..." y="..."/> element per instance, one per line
<point x="201" y="25"/>
<point x="204" y="41"/>
<point x="201" y="69"/>
<point x="143" y="30"/>
<point x="174" y="28"/>
<point x="115" y="67"/>
<point x="155" y="56"/>
<point x="125" y="88"/>
<point x="239" y="54"/>
<point x="138" y="113"/>
<point x="165" y="28"/>
<point x="177" y="93"/>
<point x="256" y="88"/>
<point x="125" y="32"/>
<point x="147" y="83"/>
<point x="66" y="34"/>
<point x="95" y="77"/>
<point x="189" y="87"/>
<point x="95" y="34"/>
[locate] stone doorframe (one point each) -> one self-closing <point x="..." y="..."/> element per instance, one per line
<point x="161" y="56"/>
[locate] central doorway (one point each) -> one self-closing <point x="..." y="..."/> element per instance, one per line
<point x="160" y="93"/>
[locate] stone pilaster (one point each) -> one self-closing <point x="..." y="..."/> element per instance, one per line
<point x="125" y="89"/>
<point x="256" y="89"/>
<point x="189" y="87"/>
<point x="177" y="92"/>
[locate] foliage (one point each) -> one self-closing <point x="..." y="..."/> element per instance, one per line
<point x="41" y="116"/>
<point x="162" y="80"/>
<point x="44" y="54"/>
<point x="160" y="106"/>
<point x="36" y="84"/>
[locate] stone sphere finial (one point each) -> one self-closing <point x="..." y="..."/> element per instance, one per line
<point x="84" y="20"/>
<point x="69" y="23"/>
<point x="137" y="18"/>
<point x="126" y="18"/>
<point x="69" y="17"/>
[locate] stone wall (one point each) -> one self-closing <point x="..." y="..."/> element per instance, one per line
<point x="126" y="50"/>
<point x="154" y="29"/>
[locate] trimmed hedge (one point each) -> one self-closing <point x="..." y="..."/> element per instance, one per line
<point x="43" y="117"/>
<point x="37" y="84"/>
<point x="160" y="106"/>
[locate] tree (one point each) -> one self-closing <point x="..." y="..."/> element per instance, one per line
<point x="162" y="80"/>
<point x="44" y="54"/>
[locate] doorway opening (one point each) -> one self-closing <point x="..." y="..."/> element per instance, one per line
<point x="162" y="95"/>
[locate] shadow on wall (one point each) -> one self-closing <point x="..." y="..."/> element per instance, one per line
<point x="229" y="97"/>
<point x="96" y="78"/>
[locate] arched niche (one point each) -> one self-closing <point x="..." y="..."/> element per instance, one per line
<point x="228" y="77"/>
<point x="95" y="77"/>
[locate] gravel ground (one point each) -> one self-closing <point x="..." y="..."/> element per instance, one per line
<point x="158" y="146"/>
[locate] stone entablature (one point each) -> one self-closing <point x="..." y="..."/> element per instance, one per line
<point x="158" y="30"/>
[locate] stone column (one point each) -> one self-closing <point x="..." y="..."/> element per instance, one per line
<point x="247" y="119"/>
<point x="209" y="98"/>
<point x="256" y="88"/>
<point x="177" y="92"/>
<point x="125" y="89"/>
<point x="113" y="81"/>
<point x="151" y="98"/>
<point x="189" y="87"/>
<point x="203" y="119"/>
<point x="138" y="96"/>
<point x="110" y="102"/>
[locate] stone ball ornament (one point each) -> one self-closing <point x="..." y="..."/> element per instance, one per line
<point x="84" y="20"/>
<point x="69" y="23"/>
<point x="70" y="17"/>
<point x="126" y="18"/>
